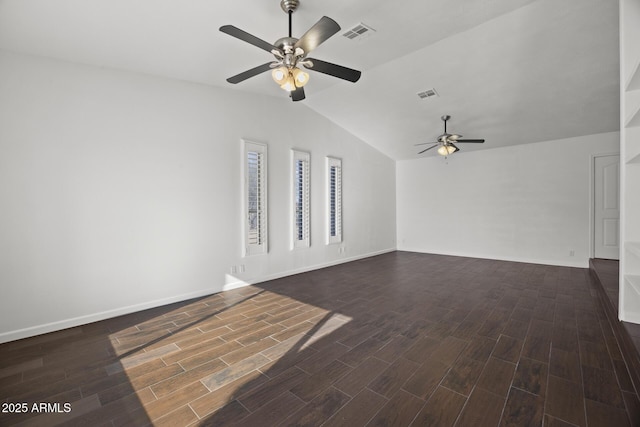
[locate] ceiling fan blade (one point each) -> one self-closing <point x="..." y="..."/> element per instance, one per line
<point x="318" y="34"/>
<point x="298" y="94"/>
<point x="249" y="73"/>
<point x="434" y="146"/>
<point x="456" y="148"/>
<point x="244" y="36"/>
<point x="334" y="70"/>
<point x="424" y="143"/>
<point x="478" y="141"/>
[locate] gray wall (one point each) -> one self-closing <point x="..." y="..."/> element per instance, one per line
<point x="529" y="203"/>
<point x="122" y="191"/>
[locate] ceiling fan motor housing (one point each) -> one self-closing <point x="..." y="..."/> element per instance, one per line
<point x="286" y="45"/>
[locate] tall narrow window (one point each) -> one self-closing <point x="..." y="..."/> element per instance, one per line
<point x="255" y="196"/>
<point x="334" y="200"/>
<point x="300" y="199"/>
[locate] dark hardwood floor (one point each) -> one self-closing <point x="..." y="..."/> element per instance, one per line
<point x="397" y="339"/>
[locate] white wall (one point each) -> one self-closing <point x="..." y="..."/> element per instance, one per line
<point x="527" y="203"/>
<point x="120" y="191"/>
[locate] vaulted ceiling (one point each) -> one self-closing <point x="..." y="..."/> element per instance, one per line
<point x="508" y="71"/>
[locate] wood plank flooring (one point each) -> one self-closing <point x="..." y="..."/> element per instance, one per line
<point x="393" y="340"/>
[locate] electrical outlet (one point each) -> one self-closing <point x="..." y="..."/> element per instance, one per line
<point x="241" y="268"/>
<point x="234" y="269"/>
<point x="572" y="252"/>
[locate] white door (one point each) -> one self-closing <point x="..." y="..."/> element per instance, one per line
<point x="607" y="207"/>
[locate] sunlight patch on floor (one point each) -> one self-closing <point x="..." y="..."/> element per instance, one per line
<point x="336" y="321"/>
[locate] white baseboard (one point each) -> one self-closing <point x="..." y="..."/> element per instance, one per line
<point x="630" y="295"/>
<point x="630" y="317"/>
<point x="96" y="317"/>
<point x="319" y="266"/>
<point x="579" y="262"/>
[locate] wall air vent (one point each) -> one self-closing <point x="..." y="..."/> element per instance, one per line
<point x="359" y="31"/>
<point x="429" y="93"/>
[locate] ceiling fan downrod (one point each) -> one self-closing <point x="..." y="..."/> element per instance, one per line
<point x="444" y="119"/>
<point x="289" y="6"/>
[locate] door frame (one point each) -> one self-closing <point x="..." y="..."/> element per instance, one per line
<point x="592" y="199"/>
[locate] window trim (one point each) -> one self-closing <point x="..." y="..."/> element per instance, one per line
<point x="332" y="236"/>
<point x="251" y="248"/>
<point x="298" y="240"/>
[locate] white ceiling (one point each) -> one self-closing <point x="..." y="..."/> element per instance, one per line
<point x="509" y="71"/>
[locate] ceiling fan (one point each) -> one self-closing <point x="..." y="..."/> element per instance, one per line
<point x="446" y="141"/>
<point x="290" y="53"/>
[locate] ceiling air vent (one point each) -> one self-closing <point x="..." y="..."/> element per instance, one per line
<point x="427" y="93"/>
<point x="359" y="31"/>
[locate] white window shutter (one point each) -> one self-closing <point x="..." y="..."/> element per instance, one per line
<point x="334" y="200"/>
<point x="255" y="198"/>
<point x="300" y="167"/>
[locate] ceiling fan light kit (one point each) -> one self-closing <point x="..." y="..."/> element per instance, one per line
<point x="445" y="142"/>
<point x="291" y="53"/>
<point x="445" y="150"/>
<point x="289" y="79"/>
